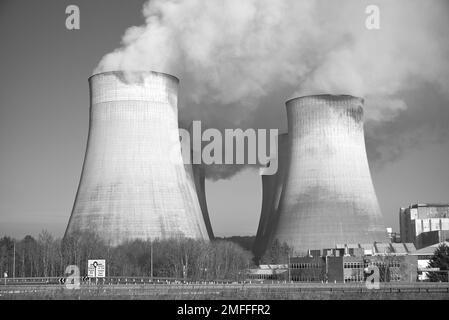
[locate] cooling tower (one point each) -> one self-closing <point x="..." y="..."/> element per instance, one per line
<point x="328" y="197"/>
<point x="200" y="184"/>
<point x="134" y="184"/>
<point x="272" y="186"/>
<point x="197" y="179"/>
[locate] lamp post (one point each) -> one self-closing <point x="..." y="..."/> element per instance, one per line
<point x="151" y="257"/>
<point x="14" y="262"/>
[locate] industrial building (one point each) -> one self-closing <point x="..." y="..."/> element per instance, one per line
<point x="134" y="184"/>
<point x="424" y="224"/>
<point x="268" y="272"/>
<point x="349" y="263"/>
<point x="328" y="196"/>
<point x="396" y="262"/>
<point x="310" y="268"/>
<point x="394" y="237"/>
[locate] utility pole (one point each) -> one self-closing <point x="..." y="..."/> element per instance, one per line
<point x="14" y="262"/>
<point x="288" y="266"/>
<point x="151" y="257"/>
<point x="108" y="275"/>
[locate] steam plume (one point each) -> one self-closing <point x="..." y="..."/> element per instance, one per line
<point x="233" y="53"/>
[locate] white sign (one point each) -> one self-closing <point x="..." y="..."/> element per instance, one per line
<point x="96" y="268"/>
<point x="429" y="269"/>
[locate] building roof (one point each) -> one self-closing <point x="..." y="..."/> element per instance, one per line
<point x="399" y="248"/>
<point x="410" y="247"/>
<point x="428" y="251"/>
<point x="273" y="266"/>
<point x="419" y="205"/>
<point x="366" y="246"/>
<point x="383" y="248"/>
<point x="377" y="248"/>
<point x="267" y="271"/>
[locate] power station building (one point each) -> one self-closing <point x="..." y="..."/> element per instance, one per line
<point x="328" y="197"/>
<point x="346" y="263"/>
<point x="349" y="263"/>
<point x="424" y="224"/>
<point x="134" y="184"/>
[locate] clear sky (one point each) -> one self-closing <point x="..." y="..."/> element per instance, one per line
<point x="44" y="106"/>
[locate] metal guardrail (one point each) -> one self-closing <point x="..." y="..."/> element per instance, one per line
<point x="216" y="283"/>
<point x="106" y="280"/>
<point x="151" y="289"/>
<point x="211" y="289"/>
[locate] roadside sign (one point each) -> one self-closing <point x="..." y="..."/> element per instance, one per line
<point x="96" y="268"/>
<point x="429" y="269"/>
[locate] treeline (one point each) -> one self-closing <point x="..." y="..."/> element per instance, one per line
<point x="178" y="258"/>
<point x="246" y="242"/>
<point x="277" y="253"/>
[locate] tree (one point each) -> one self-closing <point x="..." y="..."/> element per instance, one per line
<point x="277" y="254"/>
<point x="29" y="251"/>
<point x="440" y="259"/>
<point x="45" y="240"/>
<point x="6" y="255"/>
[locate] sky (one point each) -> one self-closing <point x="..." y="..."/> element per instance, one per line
<point x="44" y="108"/>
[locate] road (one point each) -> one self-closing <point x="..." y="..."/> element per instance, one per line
<point x="144" y="287"/>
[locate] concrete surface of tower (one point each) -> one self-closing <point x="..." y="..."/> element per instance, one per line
<point x="272" y="186"/>
<point x="328" y="198"/>
<point x="134" y="184"/>
<point x="197" y="177"/>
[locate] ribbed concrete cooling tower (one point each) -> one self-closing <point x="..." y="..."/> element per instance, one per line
<point x="134" y="184"/>
<point x="272" y="186"/>
<point x="328" y="198"/>
<point x="197" y="178"/>
<point x="200" y="184"/>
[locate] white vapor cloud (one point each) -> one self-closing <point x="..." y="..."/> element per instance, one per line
<point x="236" y="52"/>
